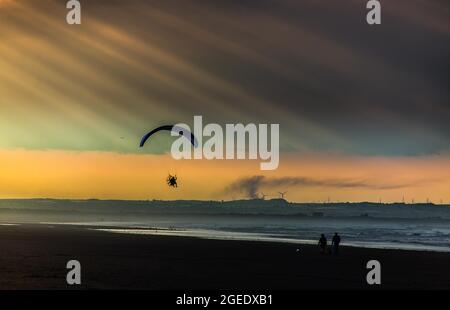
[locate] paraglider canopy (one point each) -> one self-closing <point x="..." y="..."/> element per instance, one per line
<point x="180" y="130"/>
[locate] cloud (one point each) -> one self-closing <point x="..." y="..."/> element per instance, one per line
<point x="251" y="186"/>
<point x="333" y="86"/>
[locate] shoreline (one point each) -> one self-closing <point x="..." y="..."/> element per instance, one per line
<point x="211" y="234"/>
<point x="225" y="235"/>
<point x="196" y="233"/>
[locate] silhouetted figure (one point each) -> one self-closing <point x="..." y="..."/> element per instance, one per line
<point x="322" y="243"/>
<point x="335" y="244"/>
<point x="172" y="180"/>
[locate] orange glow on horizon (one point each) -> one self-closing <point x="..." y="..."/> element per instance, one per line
<point x="107" y="175"/>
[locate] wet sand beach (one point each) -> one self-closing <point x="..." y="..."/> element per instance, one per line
<point x="35" y="257"/>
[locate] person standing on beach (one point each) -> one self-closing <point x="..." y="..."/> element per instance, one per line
<point x="335" y="244"/>
<point x="322" y="243"/>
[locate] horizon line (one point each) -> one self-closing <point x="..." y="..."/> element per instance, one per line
<point x="233" y="200"/>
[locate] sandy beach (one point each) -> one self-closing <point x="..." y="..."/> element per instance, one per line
<point x="35" y="257"/>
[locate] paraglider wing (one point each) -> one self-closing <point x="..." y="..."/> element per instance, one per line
<point x="182" y="131"/>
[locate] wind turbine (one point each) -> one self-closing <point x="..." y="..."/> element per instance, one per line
<point x="263" y="196"/>
<point x="282" y="194"/>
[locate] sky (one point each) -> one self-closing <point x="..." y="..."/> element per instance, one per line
<point x="363" y="110"/>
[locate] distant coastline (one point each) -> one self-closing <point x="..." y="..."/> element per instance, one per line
<point x="246" y="202"/>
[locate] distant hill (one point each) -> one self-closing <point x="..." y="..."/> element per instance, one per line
<point x="279" y="207"/>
